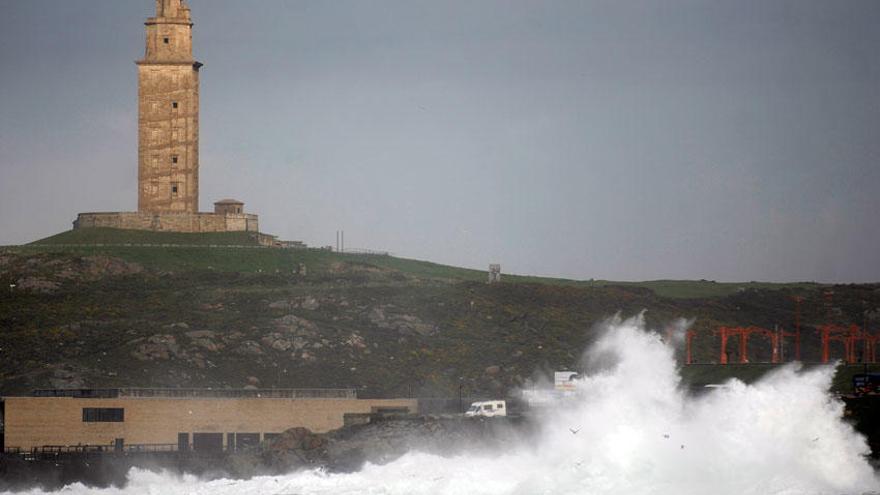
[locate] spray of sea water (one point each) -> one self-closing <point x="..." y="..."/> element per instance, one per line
<point x="631" y="431"/>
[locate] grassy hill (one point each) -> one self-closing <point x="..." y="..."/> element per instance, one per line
<point x="214" y="251"/>
<point x="102" y="308"/>
<point x="121" y="237"/>
<point x="219" y="251"/>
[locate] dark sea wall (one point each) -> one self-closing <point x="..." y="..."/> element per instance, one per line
<point x="379" y="440"/>
<point x="864" y="414"/>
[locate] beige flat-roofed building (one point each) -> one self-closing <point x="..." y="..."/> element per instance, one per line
<point x="198" y="421"/>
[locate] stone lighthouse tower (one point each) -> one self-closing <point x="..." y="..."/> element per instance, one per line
<point x="168" y="114"/>
<point x="168" y="140"/>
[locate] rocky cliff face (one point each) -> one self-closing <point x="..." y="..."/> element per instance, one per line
<point x="100" y="321"/>
<point x="384" y="439"/>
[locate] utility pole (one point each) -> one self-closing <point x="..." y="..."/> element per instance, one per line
<point x="797" y="327"/>
<point x="340" y="241"/>
<point x="829" y="301"/>
<point x="780" y="342"/>
<point x="460" y="385"/>
<point x="865" y="333"/>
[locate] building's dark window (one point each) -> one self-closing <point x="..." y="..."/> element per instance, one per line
<point x="208" y="442"/>
<point x="166" y="40"/>
<point x="173" y="158"/>
<point x="174" y="189"/>
<point x="173" y="104"/>
<point x="103" y="414"/>
<point x="245" y="441"/>
<point x="183" y="442"/>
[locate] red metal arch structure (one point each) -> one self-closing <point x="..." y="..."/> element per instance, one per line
<point x="689" y="337"/>
<point x="871" y="347"/>
<point x="849" y="336"/>
<point x="774" y="336"/>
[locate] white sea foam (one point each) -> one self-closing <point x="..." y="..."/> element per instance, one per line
<point x="636" y="433"/>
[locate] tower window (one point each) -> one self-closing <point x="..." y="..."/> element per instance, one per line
<point x="166" y="40"/>
<point x="173" y="158"/>
<point x="174" y="189"/>
<point x="173" y="104"/>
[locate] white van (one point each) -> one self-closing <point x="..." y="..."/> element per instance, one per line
<point x="489" y="409"/>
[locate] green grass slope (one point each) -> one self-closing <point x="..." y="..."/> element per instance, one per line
<point x="665" y="288"/>
<point x="119" y="236"/>
<point x="707" y="288"/>
<point x="223" y="252"/>
<point x="82" y="314"/>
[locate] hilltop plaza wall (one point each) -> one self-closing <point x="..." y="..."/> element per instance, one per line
<point x="39" y="421"/>
<point x="170" y="222"/>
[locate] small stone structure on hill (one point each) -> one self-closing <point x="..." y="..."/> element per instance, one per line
<point x="494" y="273"/>
<point x="168" y="138"/>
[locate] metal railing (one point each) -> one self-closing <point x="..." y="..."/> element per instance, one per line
<point x="266" y="393"/>
<point x="200" y="393"/>
<point x="60" y="453"/>
<point x="152" y="447"/>
<point x="371" y="252"/>
<point x="78" y="393"/>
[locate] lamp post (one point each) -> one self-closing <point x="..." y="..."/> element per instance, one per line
<point x="460" y="386"/>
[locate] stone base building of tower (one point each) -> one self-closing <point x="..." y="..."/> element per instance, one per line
<point x="168" y="138"/>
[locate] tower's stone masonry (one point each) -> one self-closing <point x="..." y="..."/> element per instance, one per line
<point x="168" y="138"/>
<point x="168" y="114"/>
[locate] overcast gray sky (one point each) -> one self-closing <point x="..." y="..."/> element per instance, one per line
<point x="735" y="140"/>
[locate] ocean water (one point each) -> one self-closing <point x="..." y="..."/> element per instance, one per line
<point x="631" y="431"/>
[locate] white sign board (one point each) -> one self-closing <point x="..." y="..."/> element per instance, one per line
<point x="565" y="380"/>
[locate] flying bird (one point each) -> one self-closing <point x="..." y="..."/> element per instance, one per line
<point x="573" y="431"/>
<point x="666" y="435"/>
